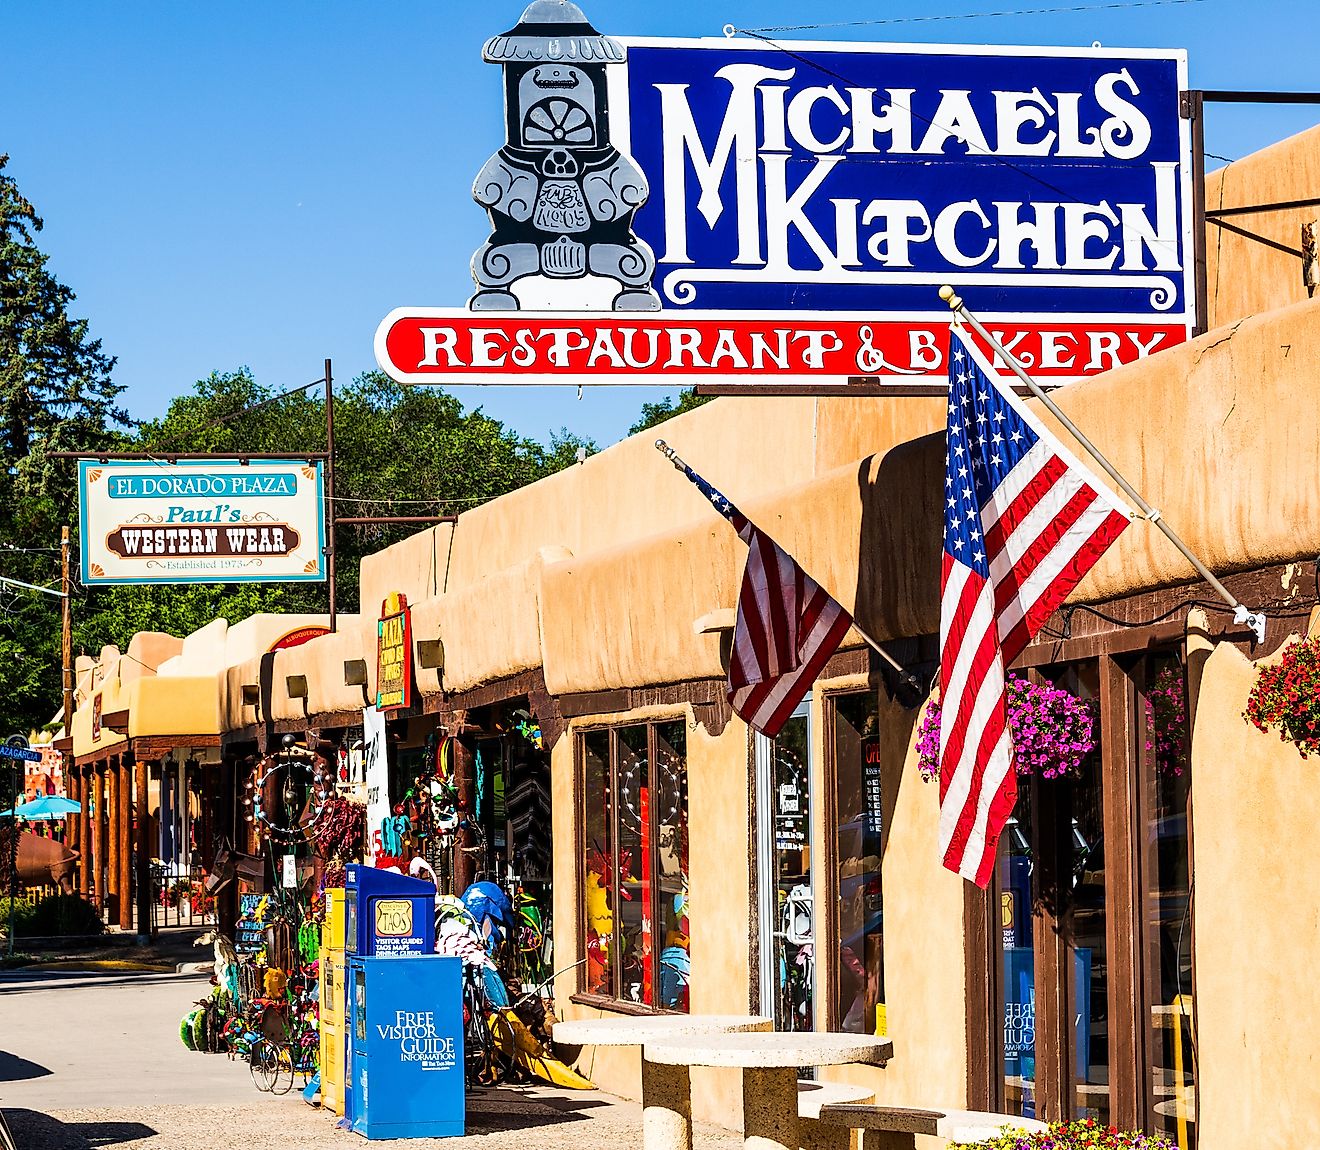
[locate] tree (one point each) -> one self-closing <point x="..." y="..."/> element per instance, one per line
<point x="653" y="413"/>
<point x="56" y="393"/>
<point x="398" y="451"/>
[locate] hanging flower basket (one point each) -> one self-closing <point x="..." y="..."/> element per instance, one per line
<point x="1053" y="731"/>
<point x="1286" y="697"/>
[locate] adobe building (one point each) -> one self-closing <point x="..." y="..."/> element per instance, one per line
<point x="1135" y="958"/>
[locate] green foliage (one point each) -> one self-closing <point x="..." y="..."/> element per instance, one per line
<point x="56" y="394"/>
<point x="63" y="915"/>
<point x="654" y="413"/>
<point x="1079" y="1134"/>
<point x="398" y="451"/>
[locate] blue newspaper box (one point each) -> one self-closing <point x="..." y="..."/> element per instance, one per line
<point x="407" y="1043"/>
<point x="387" y="913"/>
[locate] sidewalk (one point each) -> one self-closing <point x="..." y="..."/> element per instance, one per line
<point x="510" y="1118"/>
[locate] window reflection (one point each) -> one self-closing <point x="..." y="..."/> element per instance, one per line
<point x="795" y="927"/>
<point x="859" y="963"/>
<point x="1016" y="867"/>
<point x="599" y="871"/>
<point x="1167" y="780"/>
<point x="635" y="877"/>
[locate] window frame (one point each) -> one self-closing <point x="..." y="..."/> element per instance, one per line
<point x="613" y="1001"/>
<point x="1124" y="675"/>
<point x="827" y="918"/>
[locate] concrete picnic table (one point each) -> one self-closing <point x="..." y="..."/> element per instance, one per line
<point x="666" y="1088"/>
<point x="769" y="1062"/>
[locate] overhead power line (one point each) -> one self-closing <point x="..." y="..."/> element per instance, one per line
<point x="730" y="30"/>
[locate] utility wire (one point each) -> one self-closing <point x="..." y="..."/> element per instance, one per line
<point x="972" y="15"/>
<point x="223" y="419"/>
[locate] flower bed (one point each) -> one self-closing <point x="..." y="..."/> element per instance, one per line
<point x="1286" y="697"/>
<point x="1083" y="1134"/>
<point x="1053" y="731"/>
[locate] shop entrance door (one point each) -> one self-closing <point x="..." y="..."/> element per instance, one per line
<point x="786" y="914"/>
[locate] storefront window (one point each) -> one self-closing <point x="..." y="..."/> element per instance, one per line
<point x="1086" y="882"/>
<point x="1167" y="780"/>
<point x="859" y="969"/>
<point x="635" y="877"/>
<point x="598" y="873"/>
<point x="794" y="933"/>
<point x="1017" y="877"/>
<point x="672" y="864"/>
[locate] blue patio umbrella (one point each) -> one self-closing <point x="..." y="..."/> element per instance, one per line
<point x="45" y="807"/>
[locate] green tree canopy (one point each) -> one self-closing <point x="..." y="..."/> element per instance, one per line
<point x="56" y="394"/>
<point x="398" y="451"/>
<point x="667" y="408"/>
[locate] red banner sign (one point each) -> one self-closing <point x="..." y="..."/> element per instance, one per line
<point x="454" y="346"/>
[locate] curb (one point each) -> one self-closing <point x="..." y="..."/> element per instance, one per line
<point x="195" y="968"/>
<point x="108" y="965"/>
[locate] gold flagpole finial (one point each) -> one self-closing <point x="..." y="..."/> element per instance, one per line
<point x="669" y="453"/>
<point x="954" y="300"/>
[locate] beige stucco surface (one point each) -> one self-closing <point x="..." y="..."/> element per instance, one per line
<point x="1257" y="923"/>
<point x="1243" y="276"/>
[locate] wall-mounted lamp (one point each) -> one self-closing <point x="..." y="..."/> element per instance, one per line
<point x="431" y="653"/>
<point x="251" y="694"/>
<point x="355" y="672"/>
<point x="297" y="685"/>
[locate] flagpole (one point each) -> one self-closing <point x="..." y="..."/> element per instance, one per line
<point x="908" y="678"/>
<point x="1241" y="614"/>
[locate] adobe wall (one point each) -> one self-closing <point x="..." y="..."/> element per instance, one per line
<point x="1243" y="276"/>
<point x="1255" y="809"/>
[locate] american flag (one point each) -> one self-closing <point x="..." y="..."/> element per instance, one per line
<point x="1023" y="522"/>
<point x="788" y="625"/>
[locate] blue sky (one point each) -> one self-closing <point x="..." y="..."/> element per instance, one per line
<point x="230" y="184"/>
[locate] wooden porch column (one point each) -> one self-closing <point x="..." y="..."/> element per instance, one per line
<point x="72" y="784"/>
<point x="145" y="926"/>
<point x="102" y="831"/>
<point x="110" y="903"/>
<point x="126" y="842"/>
<point x="84" y="831"/>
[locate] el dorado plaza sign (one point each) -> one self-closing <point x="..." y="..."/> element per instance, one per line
<point x="736" y="213"/>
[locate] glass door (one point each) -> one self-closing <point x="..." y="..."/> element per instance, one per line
<point x="786" y="914"/>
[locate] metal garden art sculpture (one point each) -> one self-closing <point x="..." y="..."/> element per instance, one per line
<point x="560" y="195"/>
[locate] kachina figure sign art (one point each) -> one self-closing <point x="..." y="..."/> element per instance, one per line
<point x="560" y="195"/>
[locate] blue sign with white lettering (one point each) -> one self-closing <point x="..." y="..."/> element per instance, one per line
<point x="836" y="178"/>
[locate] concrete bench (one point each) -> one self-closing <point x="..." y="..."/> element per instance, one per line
<point x="812" y="1096"/>
<point x="897" y="1127"/>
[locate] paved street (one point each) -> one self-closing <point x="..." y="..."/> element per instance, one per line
<point x="95" y="1060"/>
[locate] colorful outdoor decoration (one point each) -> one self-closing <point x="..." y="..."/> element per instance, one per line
<point x="1053" y="731"/>
<point x="1286" y="697"/>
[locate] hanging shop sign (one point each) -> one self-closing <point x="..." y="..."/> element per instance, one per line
<point x="375" y="753"/>
<point x="740" y="213"/>
<point x="97" y="712"/>
<point x="297" y="637"/>
<point x="201" y="521"/>
<point x="394" y="654"/>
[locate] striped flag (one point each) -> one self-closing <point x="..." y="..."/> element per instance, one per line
<point x="788" y="625"/>
<point x="1023" y="522"/>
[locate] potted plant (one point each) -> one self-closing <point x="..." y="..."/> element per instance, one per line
<point x="1053" y="731"/>
<point x="1286" y="697"/>
<point x="1081" y="1134"/>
